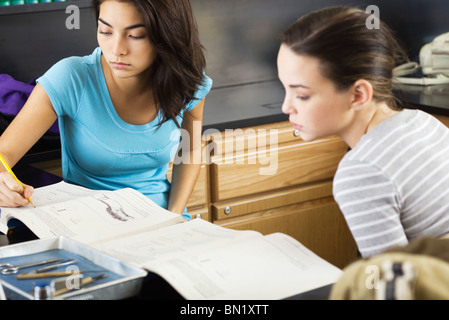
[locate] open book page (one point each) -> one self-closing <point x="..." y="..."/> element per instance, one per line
<point x="172" y="242"/>
<point x="86" y="215"/>
<point x="43" y="196"/>
<point x="271" y="267"/>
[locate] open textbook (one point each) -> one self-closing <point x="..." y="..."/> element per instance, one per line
<point x="199" y="259"/>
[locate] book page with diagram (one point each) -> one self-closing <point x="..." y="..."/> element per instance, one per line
<point x="64" y="209"/>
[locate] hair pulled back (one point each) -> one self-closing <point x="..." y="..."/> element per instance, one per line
<point x="347" y="49"/>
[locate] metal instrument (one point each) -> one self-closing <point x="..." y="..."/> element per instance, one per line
<point x="55" y="265"/>
<point x="7" y="268"/>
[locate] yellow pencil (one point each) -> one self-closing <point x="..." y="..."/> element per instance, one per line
<point x="14" y="176"/>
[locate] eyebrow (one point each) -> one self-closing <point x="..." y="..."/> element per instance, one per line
<point x="127" y="28"/>
<point x="294" y="86"/>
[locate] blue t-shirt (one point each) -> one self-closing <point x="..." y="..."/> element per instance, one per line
<point x="99" y="149"/>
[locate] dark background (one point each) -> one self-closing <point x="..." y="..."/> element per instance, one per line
<point x="240" y="36"/>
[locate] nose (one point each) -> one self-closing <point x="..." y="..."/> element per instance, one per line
<point x="287" y="106"/>
<point x="119" y="47"/>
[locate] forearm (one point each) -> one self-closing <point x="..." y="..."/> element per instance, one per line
<point x="183" y="181"/>
<point x="187" y="163"/>
<point x="30" y="124"/>
<point x="34" y="119"/>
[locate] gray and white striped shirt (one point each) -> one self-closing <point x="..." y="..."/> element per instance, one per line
<point x="394" y="185"/>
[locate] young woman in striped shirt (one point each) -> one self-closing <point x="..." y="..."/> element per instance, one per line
<point x="393" y="185"/>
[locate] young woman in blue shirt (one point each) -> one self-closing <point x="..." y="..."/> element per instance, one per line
<point x="121" y="109"/>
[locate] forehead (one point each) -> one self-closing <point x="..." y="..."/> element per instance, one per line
<point x="120" y="11"/>
<point x="298" y="69"/>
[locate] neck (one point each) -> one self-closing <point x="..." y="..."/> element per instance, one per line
<point x="366" y="120"/>
<point x="382" y="112"/>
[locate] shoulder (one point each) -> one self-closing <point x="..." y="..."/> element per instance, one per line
<point x="78" y="66"/>
<point x="71" y="72"/>
<point x="66" y="80"/>
<point x="202" y="91"/>
<point x="207" y="83"/>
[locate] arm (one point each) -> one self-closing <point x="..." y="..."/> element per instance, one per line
<point x="186" y="170"/>
<point x="35" y="118"/>
<point x="371" y="206"/>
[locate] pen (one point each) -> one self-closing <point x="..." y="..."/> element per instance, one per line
<point x="14" y="176"/>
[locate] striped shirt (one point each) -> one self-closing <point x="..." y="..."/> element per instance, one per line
<point x="394" y="185"/>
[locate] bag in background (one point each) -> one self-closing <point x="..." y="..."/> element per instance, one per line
<point x="418" y="271"/>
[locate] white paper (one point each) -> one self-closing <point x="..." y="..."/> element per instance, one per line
<point x="270" y="267"/>
<point x="205" y="261"/>
<point x="172" y="242"/>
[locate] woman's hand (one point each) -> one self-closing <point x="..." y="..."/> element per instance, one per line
<point x="11" y="193"/>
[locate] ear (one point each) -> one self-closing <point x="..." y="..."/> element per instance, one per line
<point x="362" y="94"/>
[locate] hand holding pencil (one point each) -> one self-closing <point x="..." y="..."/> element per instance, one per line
<point x="8" y="169"/>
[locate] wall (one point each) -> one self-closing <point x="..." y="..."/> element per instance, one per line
<point x="240" y="36"/>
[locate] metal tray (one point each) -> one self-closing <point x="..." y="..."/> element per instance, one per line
<point x="125" y="280"/>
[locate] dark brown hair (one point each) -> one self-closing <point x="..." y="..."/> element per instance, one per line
<point x="178" y="69"/>
<point x="347" y="49"/>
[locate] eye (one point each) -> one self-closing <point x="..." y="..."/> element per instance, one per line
<point x="104" y="33"/>
<point x="137" y="37"/>
<point x="303" y="98"/>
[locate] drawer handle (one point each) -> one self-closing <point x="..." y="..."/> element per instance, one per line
<point x="227" y="210"/>
<point x="296" y="133"/>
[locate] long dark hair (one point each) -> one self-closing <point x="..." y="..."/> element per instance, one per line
<point x="180" y="62"/>
<point x="347" y="49"/>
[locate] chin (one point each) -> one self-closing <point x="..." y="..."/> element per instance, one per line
<point x="308" y="137"/>
<point x="305" y="136"/>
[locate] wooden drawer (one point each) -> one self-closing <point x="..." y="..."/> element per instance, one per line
<point x="260" y="202"/>
<point x="318" y="224"/>
<point x="201" y="213"/>
<point x="236" y="141"/>
<point x="295" y="163"/>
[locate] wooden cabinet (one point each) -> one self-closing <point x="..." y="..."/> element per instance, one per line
<point x="267" y="179"/>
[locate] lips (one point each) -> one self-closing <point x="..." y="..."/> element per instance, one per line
<point x="119" y="65"/>
<point x="297" y="126"/>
